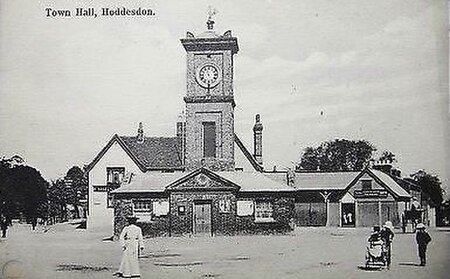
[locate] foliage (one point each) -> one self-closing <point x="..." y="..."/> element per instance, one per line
<point x="387" y="156"/>
<point x="77" y="186"/>
<point x="22" y="190"/>
<point x="64" y="191"/>
<point x="337" y="155"/>
<point x="430" y="185"/>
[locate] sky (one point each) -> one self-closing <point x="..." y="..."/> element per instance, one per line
<point x="315" y="71"/>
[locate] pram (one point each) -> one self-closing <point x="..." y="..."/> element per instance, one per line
<point x="376" y="253"/>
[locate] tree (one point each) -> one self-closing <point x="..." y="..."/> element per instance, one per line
<point x="22" y="189"/>
<point x="430" y="186"/>
<point x="337" y="155"/>
<point x="57" y="201"/>
<point x="76" y="187"/>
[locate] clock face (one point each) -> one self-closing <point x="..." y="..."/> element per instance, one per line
<point x="208" y="75"/>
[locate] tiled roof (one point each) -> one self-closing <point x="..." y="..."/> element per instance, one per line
<point x="155" y="152"/>
<point x="247" y="181"/>
<point x="150" y="182"/>
<point x="254" y="182"/>
<point x="391" y="184"/>
<point x="317" y="180"/>
<point x="324" y="180"/>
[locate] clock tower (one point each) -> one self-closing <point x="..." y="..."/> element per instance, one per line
<point x="209" y="99"/>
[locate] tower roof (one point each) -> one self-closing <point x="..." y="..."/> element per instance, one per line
<point x="210" y="40"/>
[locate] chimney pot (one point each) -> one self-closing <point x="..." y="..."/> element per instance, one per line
<point x="257" y="140"/>
<point x="140" y="134"/>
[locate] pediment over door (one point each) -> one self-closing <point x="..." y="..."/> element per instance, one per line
<point x="202" y="180"/>
<point x="348" y="198"/>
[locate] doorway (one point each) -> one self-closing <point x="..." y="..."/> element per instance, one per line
<point x="202" y="218"/>
<point x="348" y="215"/>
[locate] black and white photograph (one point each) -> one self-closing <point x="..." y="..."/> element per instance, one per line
<point x="224" y="139"/>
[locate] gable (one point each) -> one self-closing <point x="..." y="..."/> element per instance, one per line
<point x="375" y="184"/>
<point x="113" y="156"/>
<point x="347" y="198"/>
<point x="115" y="140"/>
<point x="155" y="153"/>
<point x="202" y="180"/>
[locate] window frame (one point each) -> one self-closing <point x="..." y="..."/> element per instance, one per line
<point x="366" y="184"/>
<point x="110" y="174"/>
<point x="206" y="144"/>
<point x="264" y="207"/>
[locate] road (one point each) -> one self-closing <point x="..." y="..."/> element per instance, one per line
<point x="66" y="252"/>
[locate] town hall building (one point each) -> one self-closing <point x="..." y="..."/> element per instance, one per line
<point x="204" y="181"/>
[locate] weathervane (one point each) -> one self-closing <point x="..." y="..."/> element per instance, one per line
<point x="210" y="23"/>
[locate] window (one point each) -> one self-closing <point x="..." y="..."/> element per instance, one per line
<point x="264" y="211"/>
<point x="142" y="209"/>
<point x="225" y="206"/>
<point x="209" y="139"/>
<point x="245" y="208"/>
<point x="115" y="175"/>
<point x="366" y="184"/>
<point x="181" y="210"/>
<point x="142" y="206"/>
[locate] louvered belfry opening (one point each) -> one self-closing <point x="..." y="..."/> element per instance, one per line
<point x="209" y="139"/>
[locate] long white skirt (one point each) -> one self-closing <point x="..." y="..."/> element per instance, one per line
<point x="129" y="266"/>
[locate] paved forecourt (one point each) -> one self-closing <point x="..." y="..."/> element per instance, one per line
<point x="65" y="252"/>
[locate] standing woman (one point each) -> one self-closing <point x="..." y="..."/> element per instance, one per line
<point x="131" y="241"/>
<point x="422" y="238"/>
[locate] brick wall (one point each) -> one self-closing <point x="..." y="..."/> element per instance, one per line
<point x="283" y="212"/>
<point x="122" y="209"/>
<point x="220" y="113"/>
<point x="222" y="223"/>
<point x="157" y="226"/>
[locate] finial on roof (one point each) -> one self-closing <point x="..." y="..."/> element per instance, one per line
<point x="210" y="22"/>
<point x="140" y="134"/>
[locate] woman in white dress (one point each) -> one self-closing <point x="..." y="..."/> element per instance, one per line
<point x="132" y="242"/>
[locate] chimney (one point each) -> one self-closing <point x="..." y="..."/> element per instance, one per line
<point x="257" y="140"/>
<point x="290" y="177"/>
<point x="140" y="133"/>
<point x="383" y="165"/>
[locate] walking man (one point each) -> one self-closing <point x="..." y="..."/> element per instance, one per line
<point x="387" y="235"/>
<point x="3" y="225"/>
<point x="422" y="238"/>
<point x="132" y="242"/>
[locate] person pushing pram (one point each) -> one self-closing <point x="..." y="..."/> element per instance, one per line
<point x="375" y="250"/>
<point x="378" y="250"/>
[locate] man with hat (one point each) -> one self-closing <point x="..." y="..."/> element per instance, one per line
<point x="422" y="238"/>
<point x="387" y="235"/>
<point x="132" y="241"/>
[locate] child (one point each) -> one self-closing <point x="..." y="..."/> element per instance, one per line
<point x="422" y="238"/>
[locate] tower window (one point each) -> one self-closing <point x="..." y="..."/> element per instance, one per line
<point x="209" y="139"/>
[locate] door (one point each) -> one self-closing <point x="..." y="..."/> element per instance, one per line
<point x="311" y="214"/>
<point x="202" y="218"/>
<point x="368" y="214"/>
<point x="348" y="215"/>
